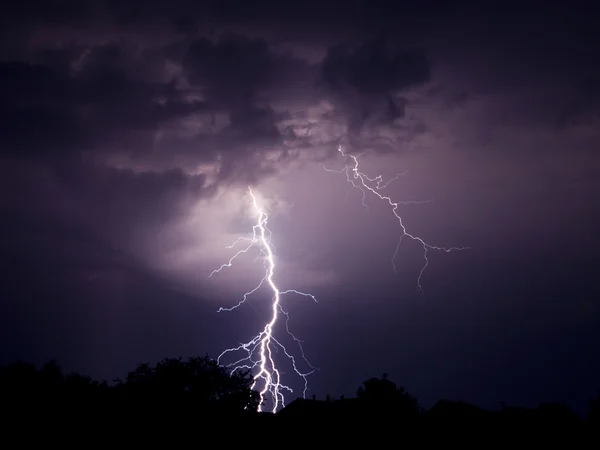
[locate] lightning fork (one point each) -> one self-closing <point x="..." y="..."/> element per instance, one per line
<point x="364" y="183"/>
<point x="258" y="353"/>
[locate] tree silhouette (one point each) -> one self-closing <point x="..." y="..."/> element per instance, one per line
<point x="24" y="387"/>
<point x="383" y="395"/>
<point x="180" y="395"/>
<point x="198" y="382"/>
<point x="171" y="388"/>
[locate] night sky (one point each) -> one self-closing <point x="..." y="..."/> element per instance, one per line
<point x="130" y="132"/>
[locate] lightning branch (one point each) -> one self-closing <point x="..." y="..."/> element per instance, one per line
<point x="258" y="354"/>
<point x="373" y="186"/>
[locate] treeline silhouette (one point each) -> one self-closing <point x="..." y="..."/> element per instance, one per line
<point x="198" y="394"/>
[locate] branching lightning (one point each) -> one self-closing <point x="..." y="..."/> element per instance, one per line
<point x="365" y="184"/>
<point x="257" y="355"/>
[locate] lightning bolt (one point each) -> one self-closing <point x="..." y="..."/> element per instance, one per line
<point x="374" y="185"/>
<point x="257" y="355"/>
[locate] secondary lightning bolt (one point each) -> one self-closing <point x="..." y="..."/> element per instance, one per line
<point x="373" y="185"/>
<point x="258" y="353"/>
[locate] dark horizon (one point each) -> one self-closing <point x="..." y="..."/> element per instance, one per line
<point x="180" y="379"/>
<point x="129" y="136"/>
<point x="196" y="398"/>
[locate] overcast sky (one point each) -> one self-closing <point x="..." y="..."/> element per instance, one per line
<point x="130" y="134"/>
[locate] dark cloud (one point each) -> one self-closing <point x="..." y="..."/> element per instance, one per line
<point x="245" y="97"/>
<point x="49" y="110"/>
<point x="118" y="101"/>
<point x="215" y="67"/>
<point x="374" y="68"/>
<point x="365" y="83"/>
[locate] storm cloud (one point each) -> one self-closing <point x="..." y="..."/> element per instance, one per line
<point x="129" y="136"/>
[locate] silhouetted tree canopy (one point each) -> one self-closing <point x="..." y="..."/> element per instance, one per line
<point x="381" y="393"/>
<point x="177" y="394"/>
<point x="25" y="389"/>
<point x="199" y="382"/>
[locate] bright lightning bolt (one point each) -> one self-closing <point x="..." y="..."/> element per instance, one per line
<point x="374" y="185"/>
<point x="258" y="353"/>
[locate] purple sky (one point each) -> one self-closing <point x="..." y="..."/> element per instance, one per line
<point x="129" y="136"/>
